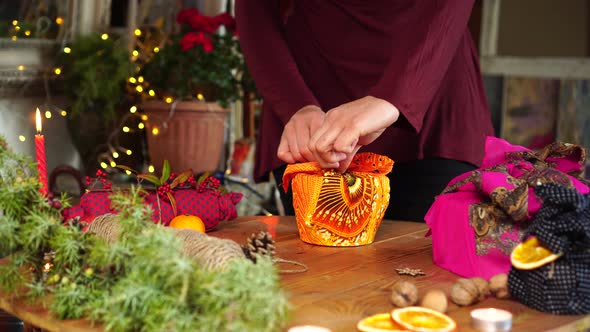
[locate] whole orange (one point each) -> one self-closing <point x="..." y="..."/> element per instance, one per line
<point x="188" y="221"/>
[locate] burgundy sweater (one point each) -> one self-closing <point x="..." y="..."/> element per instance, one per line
<point x="416" y="54"/>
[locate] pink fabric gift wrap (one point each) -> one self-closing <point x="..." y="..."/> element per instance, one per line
<point x="481" y="215"/>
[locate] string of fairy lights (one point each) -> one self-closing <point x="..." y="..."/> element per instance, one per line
<point x="139" y="55"/>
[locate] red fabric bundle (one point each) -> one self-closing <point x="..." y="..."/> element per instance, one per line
<point x="210" y="205"/>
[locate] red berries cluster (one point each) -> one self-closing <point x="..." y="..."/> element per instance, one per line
<point x="101" y="177"/>
<point x="53" y="202"/>
<point x="191" y="181"/>
<point x="208" y="183"/>
<point x="163" y="190"/>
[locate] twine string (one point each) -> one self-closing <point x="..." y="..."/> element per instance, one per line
<point x="212" y="252"/>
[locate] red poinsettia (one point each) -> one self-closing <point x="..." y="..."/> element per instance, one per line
<point x="203" y="58"/>
<point x="192" y="39"/>
<point x="201" y="28"/>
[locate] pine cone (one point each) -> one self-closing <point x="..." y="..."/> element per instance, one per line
<point x="261" y="244"/>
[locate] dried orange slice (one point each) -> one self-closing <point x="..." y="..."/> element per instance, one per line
<point x="377" y="323"/>
<point x="420" y="319"/>
<point x="531" y="254"/>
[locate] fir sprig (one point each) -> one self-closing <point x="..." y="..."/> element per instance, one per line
<point x="141" y="282"/>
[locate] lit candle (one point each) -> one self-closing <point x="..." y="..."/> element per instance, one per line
<point x="491" y="319"/>
<point x="40" y="154"/>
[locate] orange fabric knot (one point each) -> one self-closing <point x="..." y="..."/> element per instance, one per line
<point x="340" y="209"/>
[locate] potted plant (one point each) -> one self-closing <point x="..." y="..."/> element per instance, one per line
<point x="95" y="69"/>
<point x="197" y="73"/>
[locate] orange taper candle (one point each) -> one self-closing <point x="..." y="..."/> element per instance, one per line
<point x="40" y="154"/>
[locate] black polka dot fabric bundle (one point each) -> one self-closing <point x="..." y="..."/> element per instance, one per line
<point x="562" y="225"/>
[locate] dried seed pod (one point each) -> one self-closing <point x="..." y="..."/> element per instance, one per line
<point x="482" y="287"/>
<point x="435" y="299"/>
<point x="499" y="286"/>
<point x="464" y="292"/>
<point x="404" y="294"/>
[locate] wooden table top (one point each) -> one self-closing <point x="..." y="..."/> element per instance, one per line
<point x="343" y="285"/>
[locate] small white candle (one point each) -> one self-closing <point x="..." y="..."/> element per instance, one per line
<point x="309" y="328"/>
<point x="491" y="319"/>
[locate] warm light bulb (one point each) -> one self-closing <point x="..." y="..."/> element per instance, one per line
<point x="152" y="93"/>
<point x="128" y="172"/>
<point x="135" y="53"/>
<point x="59" y="20"/>
<point x="140" y="79"/>
<point x="168" y="100"/>
<point x="144" y="117"/>
<point x="22" y="138"/>
<point x="129" y="152"/>
<point x="104" y="36"/>
<point x="155" y="131"/>
<point x="113" y="164"/>
<point x="28" y="33"/>
<point x="17" y="28"/>
<point x="48" y="114"/>
<point x="67" y="50"/>
<point x="151" y="168"/>
<point x="140" y="125"/>
<point x="200" y="96"/>
<point x="125" y="129"/>
<point x="133" y="109"/>
<point x="139" y="88"/>
<point x="15" y="22"/>
<point x="103" y="165"/>
<point x="115" y="154"/>
<point x="156" y="49"/>
<point x="137" y="32"/>
<point x="57" y="71"/>
<point x="13" y="38"/>
<point x="63" y="113"/>
<point x="21" y="67"/>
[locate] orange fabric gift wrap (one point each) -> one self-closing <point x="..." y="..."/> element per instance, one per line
<point x="340" y="209"/>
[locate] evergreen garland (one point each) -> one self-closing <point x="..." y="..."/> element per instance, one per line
<point x="141" y="282"/>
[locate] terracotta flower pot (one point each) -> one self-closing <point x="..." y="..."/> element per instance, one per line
<point x="189" y="134"/>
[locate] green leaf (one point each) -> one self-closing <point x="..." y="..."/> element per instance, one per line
<point x="149" y="177"/>
<point x="182" y="177"/>
<point x="203" y="177"/>
<point x="172" y="202"/>
<point x="126" y="168"/>
<point x="165" y="172"/>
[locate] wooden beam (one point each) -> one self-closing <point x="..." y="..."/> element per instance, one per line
<point x="540" y="67"/>
<point x="490" y="23"/>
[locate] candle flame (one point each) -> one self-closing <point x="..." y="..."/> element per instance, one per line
<point x="38" y="121"/>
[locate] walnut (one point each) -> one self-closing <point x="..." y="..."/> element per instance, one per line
<point x="469" y="291"/>
<point x="435" y="299"/>
<point x="404" y="294"/>
<point x="499" y="286"/>
<point x="482" y="287"/>
<point x="464" y="292"/>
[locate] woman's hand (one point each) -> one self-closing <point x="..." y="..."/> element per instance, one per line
<point x="297" y="132"/>
<point x="348" y="127"/>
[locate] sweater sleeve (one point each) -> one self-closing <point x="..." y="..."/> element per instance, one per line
<point x="269" y="59"/>
<point x="434" y="30"/>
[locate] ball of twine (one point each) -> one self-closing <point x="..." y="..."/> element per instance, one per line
<point x="210" y="252"/>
